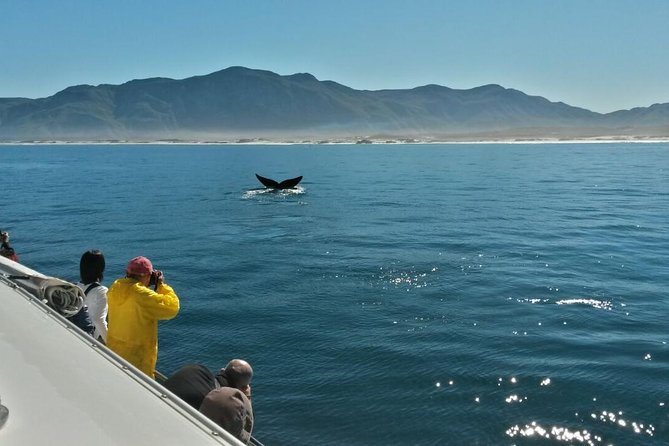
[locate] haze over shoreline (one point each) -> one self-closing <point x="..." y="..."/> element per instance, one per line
<point x="365" y="141"/>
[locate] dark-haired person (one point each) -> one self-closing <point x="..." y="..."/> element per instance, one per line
<point x="91" y="271"/>
<point x="5" y="248"/>
<point x="134" y="312"/>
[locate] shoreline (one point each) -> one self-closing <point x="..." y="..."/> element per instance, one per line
<point x="348" y="141"/>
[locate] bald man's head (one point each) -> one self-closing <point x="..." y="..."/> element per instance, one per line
<point x="239" y="373"/>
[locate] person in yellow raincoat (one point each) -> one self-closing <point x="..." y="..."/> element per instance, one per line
<point x="134" y="312"/>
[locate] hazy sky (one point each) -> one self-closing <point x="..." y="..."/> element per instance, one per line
<point x="603" y="55"/>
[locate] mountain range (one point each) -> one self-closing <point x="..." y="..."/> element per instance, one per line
<point x="238" y="102"/>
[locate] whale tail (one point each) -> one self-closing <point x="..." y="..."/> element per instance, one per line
<point x="285" y="184"/>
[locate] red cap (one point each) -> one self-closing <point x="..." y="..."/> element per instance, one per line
<point x="140" y="266"/>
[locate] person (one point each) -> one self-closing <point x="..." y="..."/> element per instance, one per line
<point x="82" y="320"/>
<point x="193" y="382"/>
<point x="91" y="272"/>
<point x="224" y="398"/>
<point x="231" y="409"/>
<point x="237" y="374"/>
<point x="68" y="301"/>
<point x="5" y="248"/>
<point x="134" y="312"/>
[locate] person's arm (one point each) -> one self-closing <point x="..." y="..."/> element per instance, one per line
<point x="162" y="304"/>
<point x="97" y="309"/>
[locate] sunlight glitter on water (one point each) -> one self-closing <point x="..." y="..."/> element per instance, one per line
<point x="603" y="304"/>
<point x="533" y="300"/>
<point x="616" y="419"/>
<point x="515" y="399"/>
<point x="411" y="279"/>
<point x="563" y="434"/>
<point x="556" y="433"/>
<point x="594" y="303"/>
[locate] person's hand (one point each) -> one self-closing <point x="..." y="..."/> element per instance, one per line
<point x="247" y="390"/>
<point x="160" y="277"/>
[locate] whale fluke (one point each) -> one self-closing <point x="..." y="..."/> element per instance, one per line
<point x="285" y="184"/>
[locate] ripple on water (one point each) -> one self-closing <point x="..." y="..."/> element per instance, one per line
<point x="594" y="303"/>
<point x="585" y="301"/>
<point x="273" y="194"/>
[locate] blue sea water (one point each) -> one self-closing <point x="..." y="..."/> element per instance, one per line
<point x="403" y="295"/>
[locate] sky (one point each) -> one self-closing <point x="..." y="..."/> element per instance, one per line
<point x="603" y="55"/>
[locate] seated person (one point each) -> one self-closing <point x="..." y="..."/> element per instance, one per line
<point x="237" y="374"/>
<point x="224" y="398"/>
<point x="193" y="382"/>
<point x="231" y="409"/>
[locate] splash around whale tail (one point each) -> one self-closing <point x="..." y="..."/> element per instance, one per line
<point x="285" y="184"/>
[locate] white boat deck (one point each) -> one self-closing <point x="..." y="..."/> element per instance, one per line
<point x="63" y="388"/>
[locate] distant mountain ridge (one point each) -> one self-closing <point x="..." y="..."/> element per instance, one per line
<point x="239" y="102"/>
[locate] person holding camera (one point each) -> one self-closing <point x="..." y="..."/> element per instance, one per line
<point x="224" y="398"/>
<point x="136" y="303"/>
<point x="192" y="382"/>
<point x="5" y="248"/>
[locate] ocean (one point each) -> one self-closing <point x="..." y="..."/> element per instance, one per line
<point x="462" y="294"/>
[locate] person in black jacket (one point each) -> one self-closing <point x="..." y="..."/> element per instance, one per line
<point x="191" y="383"/>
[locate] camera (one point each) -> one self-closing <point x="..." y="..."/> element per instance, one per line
<point x="154" y="278"/>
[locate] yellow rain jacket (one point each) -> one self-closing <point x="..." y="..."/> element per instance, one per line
<point x="134" y="312"/>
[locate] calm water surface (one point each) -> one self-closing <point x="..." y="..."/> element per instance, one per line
<point x="403" y="295"/>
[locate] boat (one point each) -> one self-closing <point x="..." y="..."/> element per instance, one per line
<point x="60" y="386"/>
